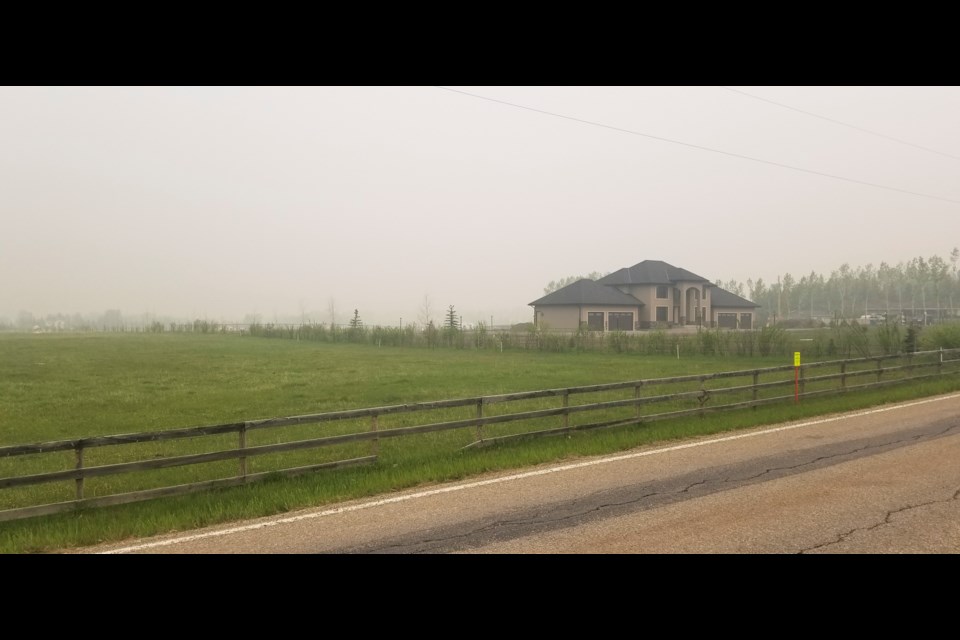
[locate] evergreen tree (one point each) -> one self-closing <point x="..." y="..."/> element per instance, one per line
<point x="452" y="322"/>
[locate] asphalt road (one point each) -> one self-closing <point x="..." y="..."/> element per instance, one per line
<point x="878" y="481"/>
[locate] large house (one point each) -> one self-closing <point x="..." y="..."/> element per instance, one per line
<point x="649" y="294"/>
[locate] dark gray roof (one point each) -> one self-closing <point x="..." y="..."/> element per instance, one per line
<point x="651" y="272"/>
<point x="587" y="292"/>
<point x="723" y="298"/>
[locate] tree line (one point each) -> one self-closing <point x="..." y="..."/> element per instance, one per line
<point x="924" y="290"/>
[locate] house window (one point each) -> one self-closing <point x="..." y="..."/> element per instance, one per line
<point x="595" y="320"/>
<point x="661" y="314"/>
<point x="662" y="291"/>
<point x="620" y="321"/>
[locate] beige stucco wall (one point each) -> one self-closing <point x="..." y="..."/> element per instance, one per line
<point x="676" y="304"/>
<point x="558" y="317"/>
<point x="687" y="311"/>
<point x="648" y="295"/>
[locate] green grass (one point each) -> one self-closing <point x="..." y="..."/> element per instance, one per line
<point x="65" y="386"/>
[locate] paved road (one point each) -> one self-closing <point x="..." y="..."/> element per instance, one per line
<point x="877" y="481"/>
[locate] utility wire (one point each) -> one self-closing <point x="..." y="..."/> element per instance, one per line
<point x="852" y="126"/>
<point x="696" y="146"/>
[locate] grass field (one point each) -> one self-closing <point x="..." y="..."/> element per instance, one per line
<point x="60" y="386"/>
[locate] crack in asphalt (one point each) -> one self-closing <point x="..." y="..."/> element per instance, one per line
<point x="846" y="453"/>
<point x="520" y="522"/>
<point x="691" y="486"/>
<point x="539" y="520"/>
<point x="886" y="520"/>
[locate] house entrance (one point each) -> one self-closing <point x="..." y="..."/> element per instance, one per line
<point x="693" y="312"/>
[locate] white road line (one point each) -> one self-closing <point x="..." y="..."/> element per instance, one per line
<point x="510" y="478"/>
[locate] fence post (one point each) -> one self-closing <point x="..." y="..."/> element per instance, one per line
<point x="566" y="404"/>
<point x="704" y="396"/>
<point x="79" y="467"/>
<point x="843" y="375"/>
<point x="879" y="368"/>
<point x="756" y="391"/>
<point x="375" y="443"/>
<point x="940" y="364"/>
<point x="479" y="415"/>
<point x="243" y="445"/>
<point x="801" y="380"/>
<point x="636" y="394"/>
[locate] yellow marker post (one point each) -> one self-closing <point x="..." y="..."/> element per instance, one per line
<point x="796" y="376"/>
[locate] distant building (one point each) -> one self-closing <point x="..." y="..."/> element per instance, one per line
<point x="649" y="294"/>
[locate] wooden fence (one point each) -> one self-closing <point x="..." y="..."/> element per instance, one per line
<point x="620" y="404"/>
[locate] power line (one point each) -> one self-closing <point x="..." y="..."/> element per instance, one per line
<point x="852" y="126"/>
<point x="696" y="146"/>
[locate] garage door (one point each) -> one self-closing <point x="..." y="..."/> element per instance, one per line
<point x="620" y="321"/>
<point x="727" y="320"/>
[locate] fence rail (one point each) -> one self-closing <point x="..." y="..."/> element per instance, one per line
<point x="694" y="395"/>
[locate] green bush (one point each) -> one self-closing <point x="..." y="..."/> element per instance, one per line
<point x="771" y="340"/>
<point x="617" y="341"/>
<point x="852" y="339"/>
<point x="889" y="339"/>
<point x="657" y="342"/>
<point x="938" y="336"/>
<point x="912" y="339"/>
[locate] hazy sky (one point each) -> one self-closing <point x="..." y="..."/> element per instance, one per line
<point x="219" y="202"/>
